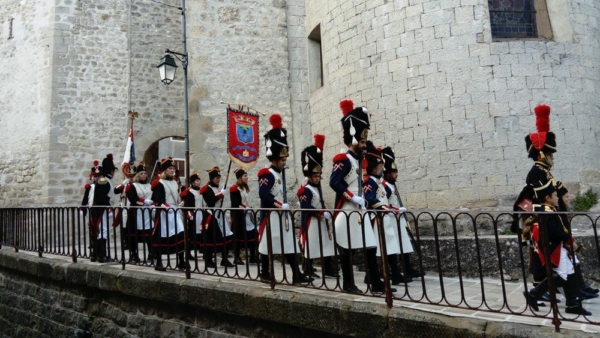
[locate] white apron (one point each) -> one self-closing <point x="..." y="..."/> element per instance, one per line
<point x="277" y="222"/>
<point x="143" y="218"/>
<point x="171" y="222"/>
<point x="318" y="234"/>
<point x="403" y="228"/>
<point x="348" y="229"/>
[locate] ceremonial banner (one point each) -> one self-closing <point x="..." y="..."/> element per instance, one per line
<point x="242" y="137"/>
<point x="129" y="156"/>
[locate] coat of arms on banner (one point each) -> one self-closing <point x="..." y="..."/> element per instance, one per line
<point x="242" y="137"/>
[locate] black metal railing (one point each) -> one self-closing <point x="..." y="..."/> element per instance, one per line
<point x="466" y="254"/>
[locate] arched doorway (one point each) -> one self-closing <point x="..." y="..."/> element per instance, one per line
<point x="170" y="146"/>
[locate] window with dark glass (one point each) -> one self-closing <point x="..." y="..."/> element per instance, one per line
<point x="513" y="18"/>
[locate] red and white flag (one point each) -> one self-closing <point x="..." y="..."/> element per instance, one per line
<point x="129" y="156"/>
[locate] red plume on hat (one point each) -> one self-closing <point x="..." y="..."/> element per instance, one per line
<point x="275" y="121"/>
<point x="109" y="156"/>
<point x="347" y="106"/>
<point x="542" y="122"/>
<point x="319" y="141"/>
<point x="542" y="118"/>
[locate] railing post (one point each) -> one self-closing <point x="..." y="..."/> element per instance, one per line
<point x="384" y="262"/>
<point x="270" y="251"/>
<point x="74" y="215"/>
<point x="551" y="286"/>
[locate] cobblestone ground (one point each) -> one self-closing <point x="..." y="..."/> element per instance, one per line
<point x="488" y="299"/>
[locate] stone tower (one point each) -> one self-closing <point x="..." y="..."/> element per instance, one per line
<point x="451" y="98"/>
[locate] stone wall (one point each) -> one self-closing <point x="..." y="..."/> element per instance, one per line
<point x="41" y="297"/>
<point x="454" y="104"/>
<point x="102" y="61"/>
<point x="24" y="117"/>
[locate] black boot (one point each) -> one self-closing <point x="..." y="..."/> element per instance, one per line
<point x="410" y="271"/>
<point x="582" y="284"/>
<point x="265" y="276"/>
<point x="297" y="276"/>
<point x="101" y="249"/>
<point x="347" y="272"/>
<point x="225" y="260"/>
<point x="374" y="278"/>
<point x="397" y="277"/>
<point x="133" y="253"/>
<point x="181" y="263"/>
<point x="535" y="294"/>
<point x="208" y="260"/>
<point x="328" y="269"/>
<point x="93" y="250"/>
<point x="573" y="304"/>
<point x="308" y="269"/>
<point x="159" y="265"/>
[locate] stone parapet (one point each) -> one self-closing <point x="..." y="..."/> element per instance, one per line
<point x="42" y="297"/>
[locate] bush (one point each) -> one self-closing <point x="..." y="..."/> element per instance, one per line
<point x="584" y="202"/>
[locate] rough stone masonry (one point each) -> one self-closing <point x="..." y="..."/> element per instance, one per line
<point x="454" y="103"/>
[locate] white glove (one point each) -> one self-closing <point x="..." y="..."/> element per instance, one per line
<point x="358" y="200"/>
<point x="148" y="202"/>
<point x="224" y="192"/>
<point x="401" y="209"/>
<point x="110" y="215"/>
<point x="126" y="182"/>
<point x="285" y="206"/>
<point x="327" y="215"/>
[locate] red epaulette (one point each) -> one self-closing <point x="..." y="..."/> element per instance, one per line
<point x="233" y="188"/>
<point x="203" y="189"/>
<point x="87" y="186"/>
<point x="127" y="188"/>
<point x="365" y="179"/>
<point x="184" y="193"/>
<point x="154" y="183"/>
<point x="340" y="157"/>
<point x="263" y="172"/>
<point x="300" y="191"/>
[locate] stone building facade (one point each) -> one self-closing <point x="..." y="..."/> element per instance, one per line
<point x="452" y="100"/>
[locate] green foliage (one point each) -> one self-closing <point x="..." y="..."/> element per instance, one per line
<point x="584" y="202"/>
<point x="507" y="231"/>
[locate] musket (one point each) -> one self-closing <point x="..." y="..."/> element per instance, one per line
<point x="284" y="190"/>
<point x="329" y="230"/>
<point x="360" y="182"/>
<point x="409" y="230"/>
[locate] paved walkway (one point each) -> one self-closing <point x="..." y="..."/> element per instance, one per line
<point x="455" y="299"/>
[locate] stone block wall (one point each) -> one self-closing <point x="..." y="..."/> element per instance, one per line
<point x="41" y="297"/>
<point x="453" y="103"/>
<point x="100" y="62"/>
<point x="25" y="39"/>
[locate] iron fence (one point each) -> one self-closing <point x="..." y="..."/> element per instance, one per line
<point x="455" y="248"/>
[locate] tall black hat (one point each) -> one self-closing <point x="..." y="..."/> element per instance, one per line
<point x="166" y="163"/>
<point x="276" y="139"/>
<point x="108" y="165"/>
<point x="214" y="172"/>
<point x="372" y="157"/>
<point x="96" y="170"/>
<point x="542" y="189"/>
<point x="543" y="140"/>
<point x="355" y="122"/>
<point x="312" y="157"/>
<point x="194" y="176"/>
<point x="389" y="159"/>
<point x="140" y="167"/>
<point x="239" y="172"/>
